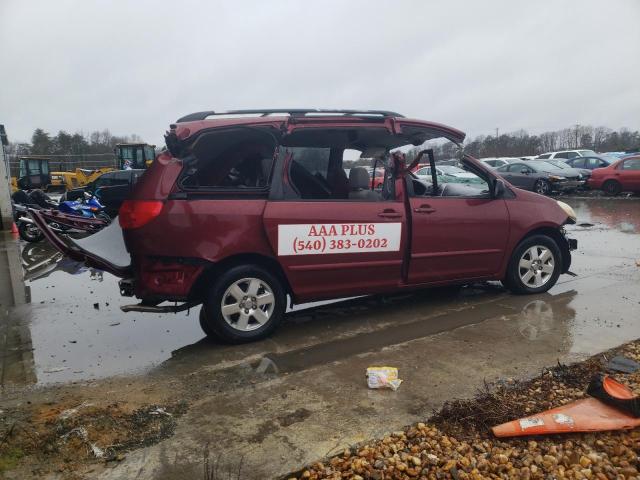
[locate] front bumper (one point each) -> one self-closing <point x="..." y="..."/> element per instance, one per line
<point x="567" y="246"/>
<point x="568" y="186"/>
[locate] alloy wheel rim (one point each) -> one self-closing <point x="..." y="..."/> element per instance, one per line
<point x="247" y="304"/>
<point x="32" y="231"/>
<point x="536" y="266"/>
<point x="542" y="187"/>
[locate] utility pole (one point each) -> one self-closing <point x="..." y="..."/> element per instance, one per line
<point x="497" y="135"/>
<point x="6" y="217"/>
<point x="577" y="127"/>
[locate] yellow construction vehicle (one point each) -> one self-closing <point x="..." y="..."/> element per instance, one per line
<point x="33" y="173"/>
<point x="63" y="181"/>
<point x="134" y="155"/>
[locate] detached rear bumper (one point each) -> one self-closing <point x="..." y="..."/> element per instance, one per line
<point x="104" y="250"/>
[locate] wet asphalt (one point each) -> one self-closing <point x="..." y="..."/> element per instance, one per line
<point x="60" y="323"/>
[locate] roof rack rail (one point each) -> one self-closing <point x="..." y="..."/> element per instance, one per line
<point x="294" y="112"/>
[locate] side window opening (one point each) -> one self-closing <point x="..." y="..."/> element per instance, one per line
<point x="453" y="177"/>
<point x="340" y="164"/>
<point x="230" y="160"/>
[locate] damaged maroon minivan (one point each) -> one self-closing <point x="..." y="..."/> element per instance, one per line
<point x="246" y="208"/>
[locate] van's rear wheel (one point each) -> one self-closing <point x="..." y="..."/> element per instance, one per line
<point x="245" y="304"/>
<point x="535" y="265"/>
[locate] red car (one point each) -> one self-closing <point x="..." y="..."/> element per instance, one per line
<point x="621" y="176"/>
<point x="244" y="210"/>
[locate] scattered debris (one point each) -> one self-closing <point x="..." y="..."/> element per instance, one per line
<point x="55" y="370"/>
<point x="96" y="306"/>
<point x="383" y="377"/>
<point x="114" y="324"/>
<point x="585" y="224"/>
<point x="622" y="364"/>
<point x="72" y="411"/>
<point x="159" y="411"/>
<point x="86" y="432"/>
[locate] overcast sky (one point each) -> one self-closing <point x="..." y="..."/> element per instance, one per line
<point x="136" y="66"/>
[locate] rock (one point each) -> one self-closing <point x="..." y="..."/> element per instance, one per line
<point x="584" y="461"/>
<point x="586" y="472"/>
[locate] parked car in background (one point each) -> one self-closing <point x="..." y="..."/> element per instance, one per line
<point x="590" y="163"/>
<point x="448" y="174"/>
<point x="620" y="176"/>
<point x="111" y="188"/>
<point x="496" y="162"/>
<point x="569" y="170"/>
<point x="566" y="154"/>
<point x="221" y="219"/>
<point x="540" y="177"/>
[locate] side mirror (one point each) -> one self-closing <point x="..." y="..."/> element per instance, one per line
<point x="524" y="170"/>
<point x="498" y="188"/>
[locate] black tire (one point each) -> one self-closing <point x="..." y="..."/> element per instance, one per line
<point x="213" y="321"/>
<point x="104" y="216"/>
<point x="612" y="187"/>
<point x="204" y="324"/>
<point x="513" y="280"/>
<point x="29" y="232"/>
<point x="542" y="186"/>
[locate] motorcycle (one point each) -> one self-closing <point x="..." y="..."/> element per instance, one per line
<point x="66" y="217"/>
<point x="89" y="208"/>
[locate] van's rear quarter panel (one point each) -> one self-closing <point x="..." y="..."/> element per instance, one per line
<point x="202" y="229"/>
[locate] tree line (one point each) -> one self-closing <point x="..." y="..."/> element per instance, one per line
<point x="514" y="144"/>
<point x="520" y="143"/>
<point x="96" y="142"/>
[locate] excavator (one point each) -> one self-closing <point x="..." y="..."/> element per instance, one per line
<point x="34" y="170"/>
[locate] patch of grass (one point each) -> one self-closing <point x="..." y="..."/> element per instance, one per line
<point x="9" y="458"/>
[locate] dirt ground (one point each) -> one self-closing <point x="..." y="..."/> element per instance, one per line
<point x="90" y="392"/>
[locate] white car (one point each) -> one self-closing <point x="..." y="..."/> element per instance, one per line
<point x="567" y="154"/>
<point x="446" y="170"/>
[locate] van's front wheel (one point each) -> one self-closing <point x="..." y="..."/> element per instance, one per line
<point x="534" y="266"/>
<point x="246" y="303"/>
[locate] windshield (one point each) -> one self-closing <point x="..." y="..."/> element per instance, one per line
<point x="546" y="167"/>
<point x="558" y="163"/>
<point x="586" y="153"/>
<point x="451" y="169"/>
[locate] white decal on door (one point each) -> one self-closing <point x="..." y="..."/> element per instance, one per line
<point x="312" y="239"/>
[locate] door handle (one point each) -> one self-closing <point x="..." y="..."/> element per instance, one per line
<point x="388" y="213"/>
<point x="424" y="209"/>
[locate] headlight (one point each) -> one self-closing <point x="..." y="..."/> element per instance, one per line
<point x="568" y="210"/>
<point x="555" y="178"/>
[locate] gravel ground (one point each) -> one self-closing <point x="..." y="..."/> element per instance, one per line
<point x="457" y="443"/>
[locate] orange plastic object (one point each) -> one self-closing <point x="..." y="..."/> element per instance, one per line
<point x="617" y="389"/>
<point x="586" y="415"/>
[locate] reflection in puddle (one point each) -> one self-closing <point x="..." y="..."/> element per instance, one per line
<point x="51" y="331"/>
